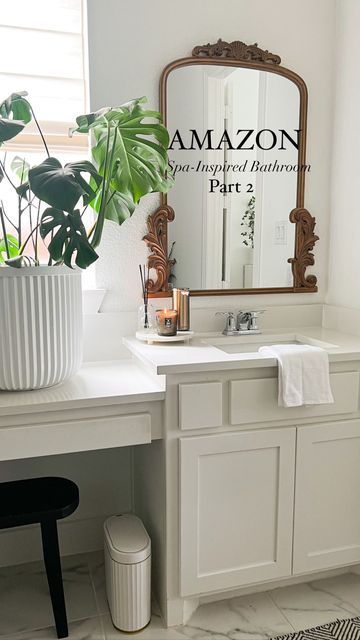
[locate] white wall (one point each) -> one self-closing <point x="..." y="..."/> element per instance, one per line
<point x="104" y="481"/>
<point x="344" y="262"/>
<point x="130" y="43"/>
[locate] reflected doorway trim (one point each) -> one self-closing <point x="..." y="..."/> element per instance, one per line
<point x="237" y="54"/>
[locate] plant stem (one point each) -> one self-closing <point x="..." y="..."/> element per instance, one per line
<point x="50" y="258"/>
<point x="39" y="130"/>
<point x="4" y="231"/>
<point x="10" y="221"/>
<point x="21" y="250"/>
<point x="2" y="165"/>
<point x="111" y="197"/>
<point x="19" y="220"/>
<point x="37" y="232"/>
<point x="92" y="229"/>
<point x="83" y="211"/>
<point x="31" y="227"/>
<point x="100" y="222"/>
<point x="105" y="188"/>
<point x="28" y="204"/>
<point x="19" y="204"/>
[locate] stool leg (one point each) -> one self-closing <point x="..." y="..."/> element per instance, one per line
<point x="53" y="571"/>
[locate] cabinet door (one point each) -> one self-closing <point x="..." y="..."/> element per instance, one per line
<point x="327" y="496"/>
<point x="236" y="508"/>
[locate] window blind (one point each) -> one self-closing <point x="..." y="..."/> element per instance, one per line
<point x="45" y="56"/>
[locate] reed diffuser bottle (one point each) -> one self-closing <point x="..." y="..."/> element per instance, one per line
<point x="146" y="312"/>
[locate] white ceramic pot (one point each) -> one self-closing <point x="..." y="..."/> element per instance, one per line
<point x="40" y="326"/>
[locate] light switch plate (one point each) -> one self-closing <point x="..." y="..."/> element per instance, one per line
<point x="280" y="236"/>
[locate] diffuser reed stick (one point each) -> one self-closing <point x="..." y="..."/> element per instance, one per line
<point x="145" y="292"/>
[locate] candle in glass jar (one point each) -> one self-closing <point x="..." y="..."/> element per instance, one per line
<point x="166" y="322"/>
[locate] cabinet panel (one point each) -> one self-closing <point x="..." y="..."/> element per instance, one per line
<point x="257" y="400"/>
<point x="327" y="496"/>
<point x="200" y="405"/>
<point x="236" y="508"/>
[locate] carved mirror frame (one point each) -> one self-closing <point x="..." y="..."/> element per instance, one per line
<point x="250" y="56"/>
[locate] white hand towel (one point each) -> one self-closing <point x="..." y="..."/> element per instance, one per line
<point x="303" y="374"/>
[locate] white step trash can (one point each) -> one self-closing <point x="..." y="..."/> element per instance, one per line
<point x="128" y="572"/>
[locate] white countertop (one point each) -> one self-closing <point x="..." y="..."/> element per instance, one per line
<point x="199" y="355"/>
<point x="81" y="414"/>
<point x="96" y="384"/>
<point x="117" y="382"/>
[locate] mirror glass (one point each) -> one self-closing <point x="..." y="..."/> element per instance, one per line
<point x="234" y="136"/>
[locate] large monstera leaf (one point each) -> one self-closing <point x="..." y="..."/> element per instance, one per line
<point x="20" y="167"/>
<point x="118" y="208"/>
<point x="62" y="187"/>
<point x="15" y="113"/>
<point x="9" y="129"/>
<point x="69" y="242"/>
<point x="16" y="106"/>
<point x="139" y="162"/>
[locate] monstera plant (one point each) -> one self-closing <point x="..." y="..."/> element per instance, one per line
<point x="40" y="318"/>
<point x="129" y="160"/>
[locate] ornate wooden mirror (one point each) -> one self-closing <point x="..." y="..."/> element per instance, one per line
<point x="235" y="220"/>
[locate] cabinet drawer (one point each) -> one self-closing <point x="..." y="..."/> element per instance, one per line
<point x="77" y="435"/>
<point x="257" y="400"/>
<point x="200" y="405"/>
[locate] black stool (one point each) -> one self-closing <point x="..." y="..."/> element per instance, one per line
<point x="43" y="501"/>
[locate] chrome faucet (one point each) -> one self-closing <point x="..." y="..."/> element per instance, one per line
<point x="230" y="322"/>
<point x="245" y="323"/>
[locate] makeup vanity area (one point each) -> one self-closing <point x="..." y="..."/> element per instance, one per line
<point x="105" y="405"/>
<point x="237" y="493"/>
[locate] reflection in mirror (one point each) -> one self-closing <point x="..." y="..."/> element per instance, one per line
<point x="232" y="205"/>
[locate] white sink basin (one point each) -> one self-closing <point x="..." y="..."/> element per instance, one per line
<point x="252" y="343"/>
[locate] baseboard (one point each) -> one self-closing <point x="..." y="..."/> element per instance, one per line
<point x="23" y="544"/>
<point x="276" y="584"/>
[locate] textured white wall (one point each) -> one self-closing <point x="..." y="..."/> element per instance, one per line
<point x="120" y="253"/>
<point x="344" y="283"/>
<point x="130" y="43"/>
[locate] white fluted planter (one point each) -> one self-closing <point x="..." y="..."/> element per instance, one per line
<point x="40" y="326"/>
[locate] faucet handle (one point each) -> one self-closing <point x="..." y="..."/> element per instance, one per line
<point x="243" y="320"/>
<point x="230" y="324"/>
<point x="252" y="317"/>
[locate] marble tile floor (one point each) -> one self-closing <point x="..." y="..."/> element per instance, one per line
<point x="25" y="608"/>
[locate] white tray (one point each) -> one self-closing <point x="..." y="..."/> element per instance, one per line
<point x="181" y="336"/>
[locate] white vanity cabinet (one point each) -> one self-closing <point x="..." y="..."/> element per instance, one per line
<point x="236" y="507"/>
<point x="327" y="496"/>
<point x="242" y="521"/>
<point x="255" y="494"/>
